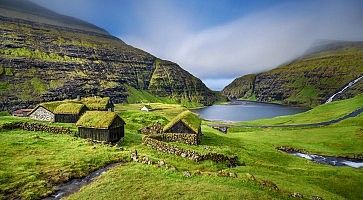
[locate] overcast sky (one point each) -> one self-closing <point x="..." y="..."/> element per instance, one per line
<point x="219" y="40"/>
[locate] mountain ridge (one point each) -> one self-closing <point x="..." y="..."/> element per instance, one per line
<point x="309" y="80"/>
<point x="45" y="61"/>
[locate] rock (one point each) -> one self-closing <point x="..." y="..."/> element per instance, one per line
<point x="198" y="172"/>
<point x="186" y="174"/>
<point x="161" y="163"/>
<point x="134" y="156"/>
<point x="269" y="184"/>
<point x="316" y="198"/>
<point x="222" y="173"/>
<point x="250" y="177"/>
<point x="232" y="174"/>
<point x="297" y="195"/>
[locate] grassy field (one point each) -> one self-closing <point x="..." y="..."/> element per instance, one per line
<point x="255" y="148"/>
<point x="324" y="112"/>
<point x="33" y="162"/>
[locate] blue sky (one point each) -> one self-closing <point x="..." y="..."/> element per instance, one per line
<point x="219" y="40"/>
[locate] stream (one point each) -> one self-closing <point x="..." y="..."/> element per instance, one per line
<point x="329" y="160"/>
<point x="75" y="185"/>
<point x="350" y="84"/>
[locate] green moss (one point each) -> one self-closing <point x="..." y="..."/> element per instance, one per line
<point x="51" y="106"/>
<point x="4" y="86"/>
<point x="38" y="86"/>
<point x="96" y="103"/>
<point x="53" y="84"/>
<point x="189" y="118"/>
<point x="37" y="54"/>
<point x="2" y="70"/>
<point x="9" y="71"/>
<point x="108" y="84"/>
<point x="69" y="108"/>
<point x="96" y="119"/>
<point x="78" y="73"/>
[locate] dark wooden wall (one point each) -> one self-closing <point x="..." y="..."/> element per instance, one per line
<point x="180" y="127"/>
<point x="66" y="118"/>
<point x="107" y="135"/>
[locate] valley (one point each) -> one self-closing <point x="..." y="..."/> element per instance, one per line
<point x="256" y="149"/>
<point x="85" y="114"/>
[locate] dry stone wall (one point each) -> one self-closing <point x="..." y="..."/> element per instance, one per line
<point x="36" y="127"/>
<point x="187" y="138"/>
<point x="154" y="143"/>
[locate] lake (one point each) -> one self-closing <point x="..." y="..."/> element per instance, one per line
<point x="246" y="110"/>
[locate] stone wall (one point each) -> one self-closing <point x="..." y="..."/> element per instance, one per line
<point x="191" y="155"/>
<point x="155" y="128"/>
<point x="37" y="127"/>
<point x="42" y="114"/>
<point x="187" y="138"/>
<point x="186" y="135"/>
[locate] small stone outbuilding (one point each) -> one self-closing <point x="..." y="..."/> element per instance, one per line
<point x="42" y="113"/>
<point x="69" y="112"/>
<point x="186" y="123"/>
<point x="101" y="126"/>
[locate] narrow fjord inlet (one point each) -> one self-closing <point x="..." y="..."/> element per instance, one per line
<point x="192" y="99"/>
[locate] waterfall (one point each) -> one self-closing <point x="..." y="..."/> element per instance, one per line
<point x="350" y="84"/>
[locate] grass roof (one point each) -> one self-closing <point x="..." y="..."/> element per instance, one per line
<point x="97" y="119"/>
<point x="96" y="103"/>
<point x="69" y="108"/>
<point x="51" y="106"/>
<point x="189" y="118"/>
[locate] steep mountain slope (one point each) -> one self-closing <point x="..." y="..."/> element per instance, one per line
<point x="53" y="57"/>
<point x="242" y="87"/>
<point x="309" y="80"/>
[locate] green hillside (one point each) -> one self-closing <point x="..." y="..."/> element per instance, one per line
<point x="309" y="80"/>
<point x="54" y="57"/>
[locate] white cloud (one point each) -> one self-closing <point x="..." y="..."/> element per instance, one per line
<point x="250" y="44"/>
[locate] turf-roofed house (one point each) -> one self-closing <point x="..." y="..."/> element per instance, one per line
<point x="187" y="124"/>
<point x="101" y="126"/>
<point x="98" y="103"/>
<point x="45" y="111"/>
<point x="69" y="112"/>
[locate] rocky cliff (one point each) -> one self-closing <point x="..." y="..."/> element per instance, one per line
<point x="309" y="80"/>
<point x="46" y="56"/>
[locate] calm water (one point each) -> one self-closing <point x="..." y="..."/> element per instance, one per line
<point x="245" y="111"/>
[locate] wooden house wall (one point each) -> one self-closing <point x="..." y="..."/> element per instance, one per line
<point x="107" y="135"/>
<point x="69" y="118"/>
<point x="66" y="118"/>
<point x="117" y="122"/>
